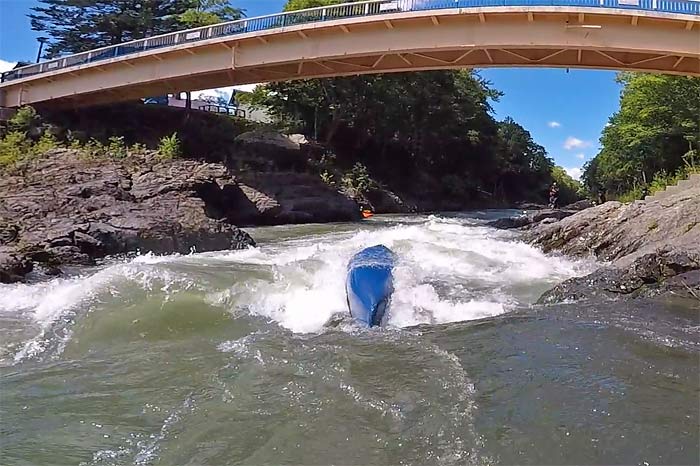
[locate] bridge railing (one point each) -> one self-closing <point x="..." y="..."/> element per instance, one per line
<point x="321" y="14"/>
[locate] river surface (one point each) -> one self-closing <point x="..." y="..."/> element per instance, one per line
<point x="248" y="357"/>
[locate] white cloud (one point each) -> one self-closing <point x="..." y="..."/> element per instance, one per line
<point x="554" y="124"/>
<point x="574" y="172"/>
<point x="6" y="65"/>
<point x="575" y="143"/>
<point x="581" y="156"/>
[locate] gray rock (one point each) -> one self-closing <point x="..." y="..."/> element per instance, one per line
<point x="649" y="275"/>
<point x="623" y="232"/>
<point x="543" y="215"/>
<point x="286" y="197"/>
<point x="580" y="205"/>
<point x="68" y="209"/>
<point x="267" y="150"/>
<point x="13" y="267"/>
<point x="652" y="247"/>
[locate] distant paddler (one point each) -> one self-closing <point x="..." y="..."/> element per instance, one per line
<point x="366" y="211"/>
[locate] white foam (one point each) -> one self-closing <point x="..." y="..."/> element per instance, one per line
<point x="448" y="270"/>
<point x="43" y="304"/>
<point x="309" y="275"/>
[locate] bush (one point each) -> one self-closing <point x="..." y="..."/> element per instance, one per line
<point x="358" y="180"/>
<point x="13" y="147"/>
<point x="46" y="143"/>
<point x="24" y="120"/>
<point x="138" y="149"/>
<point x="633" y="194"/>
<point x="327" y="178"/>
<point x="170" y="147"/>
<point x="116" y="147"/>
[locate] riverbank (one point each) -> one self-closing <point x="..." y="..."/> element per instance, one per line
<point x="648" y="248"/>
<point x="67" y="208"/>
<point x="79" y="186"/>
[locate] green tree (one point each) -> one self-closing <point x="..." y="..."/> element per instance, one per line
<point x="657" y="129"/>
<point x="208" y="12"/>
<point x="524" y="165"/>
<point x="79" y="25"/>
<point x="293" y="5"/>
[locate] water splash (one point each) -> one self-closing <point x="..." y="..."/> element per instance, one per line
<point x="448" y="269"/>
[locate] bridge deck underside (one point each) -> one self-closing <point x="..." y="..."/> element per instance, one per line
<point x="413" y="43"/>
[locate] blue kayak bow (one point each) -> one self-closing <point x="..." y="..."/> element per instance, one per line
<point x="369" y="284"/>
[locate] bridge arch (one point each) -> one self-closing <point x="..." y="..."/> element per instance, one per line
<point x="374" y="37"/>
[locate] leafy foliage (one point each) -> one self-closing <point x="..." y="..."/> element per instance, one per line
<point x="357" y="181"/>
<point x="404" y="126"/>
<point x="24" y="120"/>
<point x="78" y="25"/>
<point x="46" y="142"/>
<point x="13" y="147"/>
<point x="170" y="147"/>
<point x="570" y="190"/>
<point x="656" y="131"/>
<point x="116" y="147"/>
<point x="208" y="12"/>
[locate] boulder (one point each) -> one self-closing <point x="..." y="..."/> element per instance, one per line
<point x="542" y="215"/>
<point x="13" y="267"/>
<point x="268" y="150"/>
<point x="623" y="232"/>
<point x="69" y="209"/>
<point x="669" y="271"/>
<point x="580" y="205"/>
<point x="287" y="197"/>
<point x="651" y="247"/>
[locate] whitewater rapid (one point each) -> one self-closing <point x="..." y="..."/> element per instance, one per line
<point x="449" y="269"/>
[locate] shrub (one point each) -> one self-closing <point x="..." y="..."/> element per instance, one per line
<point x="327" y="178"/>
<point x="24" y="120"/>
<point x="93" y="148"/>
<point x="13" y="147"/>
<point x="116" y="147"/>
<point x="632" y="195"/>
<point x="138" y="149"/>
<point x="46" y="143"/>
<point x="357" y="180"/>
<point x="170" y="147"/>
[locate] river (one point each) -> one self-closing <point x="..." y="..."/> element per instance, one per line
<point x="248" y="357"/>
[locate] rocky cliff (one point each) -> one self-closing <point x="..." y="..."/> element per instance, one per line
<point x="66" y="208"/>
<point x="651" y="246"/>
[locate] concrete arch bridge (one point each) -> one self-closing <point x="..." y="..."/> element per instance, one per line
<point x="375" y="36"/>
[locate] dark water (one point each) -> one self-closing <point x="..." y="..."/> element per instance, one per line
<point x="247" y="358"/>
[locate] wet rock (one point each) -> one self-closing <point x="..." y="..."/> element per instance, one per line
<point x="530" y="206"/>
<point x="13" y="267"/>
<point x="580" y="205"/>
<point x="543" y="215"/>
<point x="384" y="201"/>
<point x="649" y="275"/>
<point x="652" y="247"/>
<point x="287" y="197"/>
<point x="68" y="209"/>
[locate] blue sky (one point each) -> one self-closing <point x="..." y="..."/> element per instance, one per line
<point x="564" y="111"/>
